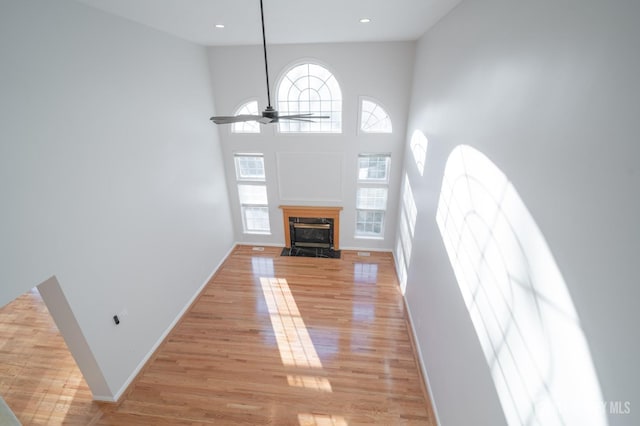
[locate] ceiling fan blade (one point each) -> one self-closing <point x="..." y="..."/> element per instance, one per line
<point x="306" y="115"/>
<point x="297" y="119"/>
<point x="229" y="119"/>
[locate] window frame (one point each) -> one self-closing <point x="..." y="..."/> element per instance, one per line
<point x="244" y="181"/>
<point x="367" y="183"/>
<point x="239" y="111"/>
<point x="241" y="178"/>
<point x="335" y="99"/>
<point x="361" y="130"/>
<point x="384" y="180"/>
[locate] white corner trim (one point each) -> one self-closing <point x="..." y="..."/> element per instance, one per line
<point x="168" y="330"/>
<point x="102" y="398"/>
<point x="421" y="361"/>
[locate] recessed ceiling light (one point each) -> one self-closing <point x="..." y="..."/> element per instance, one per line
<point x="365" y="20"/>
<point x="219" y="25"/>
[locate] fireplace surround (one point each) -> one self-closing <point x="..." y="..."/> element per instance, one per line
<point x="307" y="226"/>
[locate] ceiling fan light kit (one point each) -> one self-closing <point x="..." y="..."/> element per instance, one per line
<point x="270" y="114"/>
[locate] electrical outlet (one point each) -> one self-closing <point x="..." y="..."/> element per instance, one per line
<point x="120" y="316"/>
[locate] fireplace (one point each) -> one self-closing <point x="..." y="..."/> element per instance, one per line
<point x="311" y="232"/>
<point x="306" y="226"/>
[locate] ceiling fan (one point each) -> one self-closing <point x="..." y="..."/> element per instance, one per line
<point x="269" y="115"/>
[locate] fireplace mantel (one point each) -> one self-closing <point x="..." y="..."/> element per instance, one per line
<point x="310" y="211"/>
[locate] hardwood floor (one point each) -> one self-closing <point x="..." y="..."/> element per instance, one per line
<point x="271" y="340"/>
<point x="39" y="378"/>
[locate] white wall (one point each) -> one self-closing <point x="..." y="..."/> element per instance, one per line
<point x="111" y="176"/>
<point x="549" y="92"/>
<point x="378" y="70"/>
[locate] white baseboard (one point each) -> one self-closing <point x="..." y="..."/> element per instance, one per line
<point x="244" y="243"/>
<point x="383" y="250"/>
<point x="168" y="330"/>
<point x="102" y="398"/>
<point x="421" y="361"/>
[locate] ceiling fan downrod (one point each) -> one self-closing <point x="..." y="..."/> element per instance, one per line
<point x="266" y="66"/>
<point x="269" y="115"/>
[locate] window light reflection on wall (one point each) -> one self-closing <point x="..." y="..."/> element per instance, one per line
<point x="516" y="297"/>
<point x="407" y="227"/>
<point x="418" y="145"/>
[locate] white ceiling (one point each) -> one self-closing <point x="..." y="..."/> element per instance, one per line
<point x="286" y="21"/>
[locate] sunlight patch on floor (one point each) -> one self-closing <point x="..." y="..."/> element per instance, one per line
<point x="310" y="382"/>
<point x="307" y="419"/>
<point x="294" y="341"/>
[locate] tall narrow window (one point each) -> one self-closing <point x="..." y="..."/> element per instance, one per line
<point x="310" y="88"/>
<point x="249" y="108"/>
<point x="371" y="196"/>
<point x="252" y="192"/>
<point x="373" y="118"/>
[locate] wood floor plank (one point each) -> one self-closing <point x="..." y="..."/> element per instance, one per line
<point x="271" y="340"/>
<point x="39" y="379"/>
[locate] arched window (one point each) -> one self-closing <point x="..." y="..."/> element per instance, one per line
<point x="310" y="88"/>
<point x="516" y="297"/>
<point x="373" y="118"/>
<point x="250" y="108"/>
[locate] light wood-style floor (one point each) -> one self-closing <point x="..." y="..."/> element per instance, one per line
<point x="39" y="378"/>
<point x="270" y="341"/>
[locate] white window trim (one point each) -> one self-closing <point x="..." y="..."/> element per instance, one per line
<point x="244" y="220"/>
<point x="375" y="182"/>
<point x="237" y="111"/>
<point x="247" y="179"/>
<point x="372" y="235"/>
<point x="359" y="124"/>
<point x="281" y="77"/>
<point x="251" y="181"/>
<point x="366" y="183"/>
